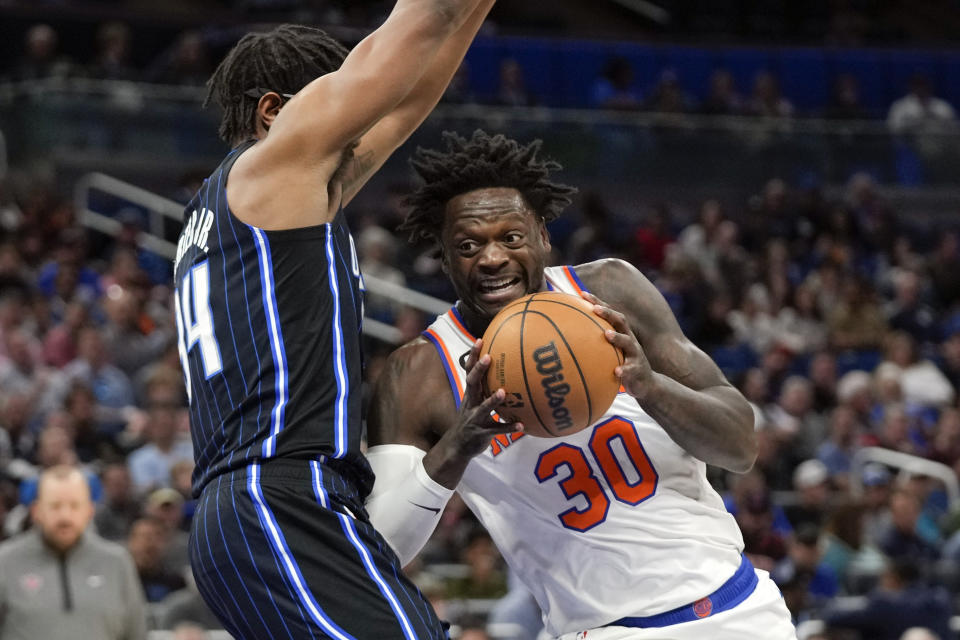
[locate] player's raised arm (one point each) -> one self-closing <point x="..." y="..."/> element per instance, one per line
<point x="676" y="383"/>
<point x="307" y="128"/>
<point x="393" y="129"/>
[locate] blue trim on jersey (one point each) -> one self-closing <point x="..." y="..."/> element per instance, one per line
<point x="550" y="286"/>
<point x="279" y="545"/>
<point x="318" y="488"/>
<point x="731" y="593"/>
<point x="350" y="530"/>
<point x="446" y="367"/>
<point x="281" y="375"/>
<point x="339" y="360"/>
<point x="578" y="280"/>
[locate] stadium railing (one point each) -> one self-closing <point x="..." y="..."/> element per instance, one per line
<point x="155" y="238"/>
<point x="908" y="465"/>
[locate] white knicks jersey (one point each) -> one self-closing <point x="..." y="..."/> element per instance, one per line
<point x="613" y="521"/>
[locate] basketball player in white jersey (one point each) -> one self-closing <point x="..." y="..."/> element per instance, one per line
<point x="615" y="529"/>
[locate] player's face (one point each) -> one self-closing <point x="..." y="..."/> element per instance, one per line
<point x="494" y="249"/>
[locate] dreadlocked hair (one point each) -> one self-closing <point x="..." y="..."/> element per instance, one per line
<point x="480" y="162"/>
<point x="283" y="60"/>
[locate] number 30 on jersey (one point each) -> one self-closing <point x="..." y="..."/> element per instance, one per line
<point x="616" y="449"/>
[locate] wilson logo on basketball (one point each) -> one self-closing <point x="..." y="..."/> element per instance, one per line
<point x="550" y="367"/>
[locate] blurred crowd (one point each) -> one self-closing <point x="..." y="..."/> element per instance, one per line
<point x="188" y="61"/>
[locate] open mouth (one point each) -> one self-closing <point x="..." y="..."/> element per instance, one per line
<point x="500" y="289"/>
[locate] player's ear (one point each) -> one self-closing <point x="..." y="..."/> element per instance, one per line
<point x="268" y="108"/>
<point x="444" y="265"/>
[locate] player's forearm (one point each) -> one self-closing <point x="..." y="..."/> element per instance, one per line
<point x="444" y="15"/>
<point x="446" y="463"/>
<point x="428" y="91"/>
<point x="714" y="424"/>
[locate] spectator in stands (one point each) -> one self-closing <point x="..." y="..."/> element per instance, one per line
<point x="22" y="370"/>
<point x="902" y="601"/>
<point x="811" y="481"/>
<point x="800" y="326"/>
<point x="512" y="90"/>
<point x="920" y="112"/>
<point x="146" y="543"/>
<point x="945" y="447"/>
<point x="919" y="633"/>
<point x="40" y="58"/>
<point x="118" y="508"/>
<point x="845" y="102"/>
<point x="858" y="322"/>
<point x="111" y="386"/>
<point x="950" y="354"/>
<point x="723" y="98"/>
<point x="899" y="540"/>
<point x="377" y="249"/>
<point x="60" y="342"/>
<point x="823" y="375"/>
<point x="667" y="95"/>
<point x="112" y="61"/>
<point x="805" y="580"/>
<point x="794" y="420"/>
<point x="150" y="464"/>
<point x="61" y="581"/>
<point x="908" y="312"/>
<point x="762" y="544"/>
<point x="944" y="265"/>
<point x="836" y="453"/>
<point x="854" y="558"/>
<point x="766" y="100"/>
<point x="91" y="438"/>
<point x="615" y="88"/>
<point x="752" y="322"/>
<point x="651" y="238"/>
<point x="185" y="63"/>
<point x="485" y="577"/>
<point x="132" y="338"/>
<point x="186" y="607"/>
<point x="874" y="220"/>
<point x="922" y="382"/>
<point x="166" y="507"/>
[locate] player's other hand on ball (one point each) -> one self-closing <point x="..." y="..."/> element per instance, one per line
<point x="475" y="422"/>
<point x="635" y="373"/>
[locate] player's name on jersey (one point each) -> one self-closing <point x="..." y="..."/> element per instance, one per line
<point x="195" y="233"/>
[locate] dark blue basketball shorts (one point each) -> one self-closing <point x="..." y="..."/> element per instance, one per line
<point x="285" y="550"/>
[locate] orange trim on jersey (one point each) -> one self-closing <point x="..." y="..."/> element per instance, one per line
<point x="456" y="322"/>
<point x="451" y="365"/>
<point x="572" y="280"/>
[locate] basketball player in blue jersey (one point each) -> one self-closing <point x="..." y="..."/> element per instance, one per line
<point x="614" y="529"/>
<point x="269" y="306"/>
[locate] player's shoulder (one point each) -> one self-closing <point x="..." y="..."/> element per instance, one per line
<point x="608" y="273"/>
<point x="414" y="363"/>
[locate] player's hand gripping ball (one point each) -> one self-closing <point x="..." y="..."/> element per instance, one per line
<point x="550" y="355"/>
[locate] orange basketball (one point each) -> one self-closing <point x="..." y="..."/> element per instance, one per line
<point x="550" y="355"/>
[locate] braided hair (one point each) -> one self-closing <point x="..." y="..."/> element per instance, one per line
<point x="283" y="60"/>
<point x="483" y="161"/>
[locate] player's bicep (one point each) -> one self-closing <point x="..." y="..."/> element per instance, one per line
<point x="677" y="357"/>
<point x="399" y="412"/>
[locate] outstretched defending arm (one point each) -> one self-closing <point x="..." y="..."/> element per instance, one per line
<point x="285" y="180"/>
<point x="390" y="132"/>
